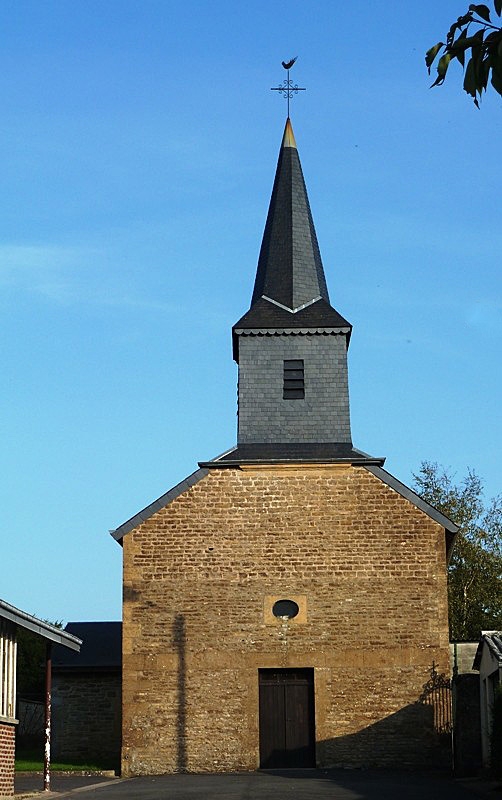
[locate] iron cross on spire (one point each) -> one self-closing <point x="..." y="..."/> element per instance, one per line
<point x="288" y="88"/>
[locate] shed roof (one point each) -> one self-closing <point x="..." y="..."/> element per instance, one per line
<point x="493" y="641"/>
<point x="39" y="626"/>
<point x="101" y="648"/>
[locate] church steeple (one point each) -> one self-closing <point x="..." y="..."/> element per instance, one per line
<point x="291" y="346"/>
<point x="290" y="271"/>
<point x="290" y="287"/>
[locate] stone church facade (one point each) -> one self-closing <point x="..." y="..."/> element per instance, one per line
<point x="284" y="604"/>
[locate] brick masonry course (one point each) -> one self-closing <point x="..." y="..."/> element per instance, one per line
<point x="7" y="756"/>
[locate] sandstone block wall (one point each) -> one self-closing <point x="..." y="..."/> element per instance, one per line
<point x="198" y="578"/>
<point x="86" y="718"/>
<point x="7" y="758"/>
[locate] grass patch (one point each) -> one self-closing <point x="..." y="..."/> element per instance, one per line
<point x="32" y="761"/>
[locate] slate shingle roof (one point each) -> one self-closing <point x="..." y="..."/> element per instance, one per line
<point x="319" y="314"/>
<point x="290" y="269"/>
<point x="290" y="294"/>
<point x="101" y="648"/>
<point x="282" y="452"/>
<point x="290" y="288"/>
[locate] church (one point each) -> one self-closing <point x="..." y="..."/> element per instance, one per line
<point x="284" y="604"/>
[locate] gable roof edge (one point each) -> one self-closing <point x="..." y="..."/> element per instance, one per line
<point x="493" y="640"/>
<point x="162" y="501"/>
<point x="39" y="626"/>
<point x="413" y="497"/>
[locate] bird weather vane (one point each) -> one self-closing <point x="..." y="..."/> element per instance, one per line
<point x="287" y="89"/>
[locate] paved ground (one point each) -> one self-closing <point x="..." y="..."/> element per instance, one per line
<point x="269" y="785"/>
<point x="33" y="783"/>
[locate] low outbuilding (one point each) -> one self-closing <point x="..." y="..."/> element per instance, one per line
<point x="11" y="619"/>
<point x="488" y="661"/>
<point x="87" y="696"/>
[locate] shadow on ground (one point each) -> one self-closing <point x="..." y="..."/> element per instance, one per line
<point x="308" y="784"/>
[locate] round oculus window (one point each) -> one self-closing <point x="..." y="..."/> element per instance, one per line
<point x="285" y="608"/>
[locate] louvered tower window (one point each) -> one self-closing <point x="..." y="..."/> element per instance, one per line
<point x="294" y="383"/>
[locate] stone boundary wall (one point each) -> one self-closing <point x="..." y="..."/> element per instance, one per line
<point x="86" y="721"/>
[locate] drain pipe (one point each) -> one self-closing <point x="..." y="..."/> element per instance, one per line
<point x="48" y="692"/>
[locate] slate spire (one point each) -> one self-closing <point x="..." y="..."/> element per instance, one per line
<point x="290" y="288"/>
<point x="290" y="270"/>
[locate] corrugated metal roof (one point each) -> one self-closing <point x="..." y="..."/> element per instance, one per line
<point x="39" y="626"/>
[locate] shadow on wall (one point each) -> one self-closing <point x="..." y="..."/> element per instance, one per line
<point x="406" y="739"/>
<point x="467" y="732"/>
<point x="179" y="643"/>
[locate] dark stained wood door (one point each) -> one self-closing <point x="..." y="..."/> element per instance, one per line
<point x="287" y="718"/>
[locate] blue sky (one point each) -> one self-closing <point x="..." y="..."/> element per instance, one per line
<point x="139" y="144"/>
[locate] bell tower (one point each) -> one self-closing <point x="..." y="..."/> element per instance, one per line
<point x="291" y="346"/>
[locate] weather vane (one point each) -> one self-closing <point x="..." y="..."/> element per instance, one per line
<point x="288" y="88"/>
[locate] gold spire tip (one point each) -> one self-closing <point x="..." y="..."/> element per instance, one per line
<point x="288" y="139"/>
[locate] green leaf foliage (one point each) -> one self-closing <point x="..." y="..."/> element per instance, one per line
<point x="442" y="68"/>
<point x="496" y="79"/>
<point x="431" y="54"/>
<point x="476" y="32"/>
<point x="482" y="11"/>
<point x="475" y="570"/>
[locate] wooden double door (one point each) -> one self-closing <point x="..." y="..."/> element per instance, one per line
<point x="287" y="718"/>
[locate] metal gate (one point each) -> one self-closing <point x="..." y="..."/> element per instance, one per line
<point x="437" y="694"/>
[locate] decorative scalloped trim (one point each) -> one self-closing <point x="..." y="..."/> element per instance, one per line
<point x="289" y="331"/>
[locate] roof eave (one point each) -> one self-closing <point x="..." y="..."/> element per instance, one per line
<point x="495" y="651"/>
<point x="215" y="464"/>
<point x="414" y="498"/>
<point x="292" y="330"/>
<point x="119" y="533"/>
<point x="39" y="626"/>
